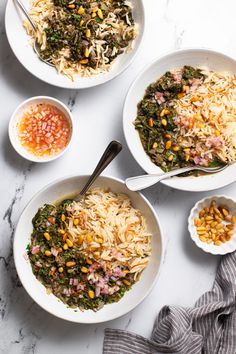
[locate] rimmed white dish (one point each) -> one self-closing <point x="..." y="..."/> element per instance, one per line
<point x="17" y="116"/>
<point x="63" y="188"/>
<point x="19" y="42"/>
<point x="194" y="57"/>
<point x="224" y="248"/>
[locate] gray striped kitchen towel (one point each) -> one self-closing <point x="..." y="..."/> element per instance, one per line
<point x="208" y="328"/>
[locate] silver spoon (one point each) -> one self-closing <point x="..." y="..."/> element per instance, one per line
<point x="109" y="154"/>
<point x="141" y="182"/>
<point x="36" y="44"/>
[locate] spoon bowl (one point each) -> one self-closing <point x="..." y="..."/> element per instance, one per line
<point x="36" y="45"/>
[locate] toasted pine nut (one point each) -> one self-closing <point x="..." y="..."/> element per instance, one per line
<point x="225" y="211"/>
<point x="69" y="242"/>
<point x="47" y="236"/>
<point x="91" y="294"/>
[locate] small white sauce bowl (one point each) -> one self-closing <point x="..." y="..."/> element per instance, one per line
<point x="224" y="248"/>
<point x="17" y="116"/>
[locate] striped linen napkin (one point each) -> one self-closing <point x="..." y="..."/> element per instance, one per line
<point x="208" y="328"/>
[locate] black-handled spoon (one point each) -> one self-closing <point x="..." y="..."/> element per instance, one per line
<point x="109" y="154"/>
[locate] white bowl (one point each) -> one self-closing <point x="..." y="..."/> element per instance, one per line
<point x="195" y="57"/>
<point x="64" y="188"/>
<point x="17" y="116"/>
<point x="23" y="50"/>
<point x="224" y="248"/>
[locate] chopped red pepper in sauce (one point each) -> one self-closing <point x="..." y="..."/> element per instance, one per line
<point x="44" y="130"/>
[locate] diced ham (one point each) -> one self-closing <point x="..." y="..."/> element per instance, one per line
<point x="75" y="282"/>
<point x="35" y="249"/>
<point x="80" y="287"/>
<point x="159" y="96"/>
<point x="177" y="77"/>
<point x="54" y="252"/>
<point x="97" y="291"/>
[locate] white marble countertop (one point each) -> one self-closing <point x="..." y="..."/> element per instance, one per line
<point x="187" y="271"/>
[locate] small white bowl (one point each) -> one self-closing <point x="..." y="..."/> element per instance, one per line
<point x="17" y="116"/>
<point x="66" y="187"/>
<point x="224" y="248"/>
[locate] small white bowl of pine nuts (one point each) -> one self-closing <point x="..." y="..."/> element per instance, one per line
<point x="212" y="224"/>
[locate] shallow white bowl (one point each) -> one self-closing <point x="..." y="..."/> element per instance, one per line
<point x="195" y="57"/>
<point x="23" y="50"/>
<point x="17" y="116"/>
<point x="64" y="188"/>
<point x="224" y="248"/>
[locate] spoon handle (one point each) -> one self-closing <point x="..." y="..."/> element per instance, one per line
<point x="141" y="182"/>
<point x="109" y="154"/>
<point x="26" y="14"/>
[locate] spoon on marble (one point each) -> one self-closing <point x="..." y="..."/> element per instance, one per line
<point x="109" y="154"/>
<point x="141" y="182"/>
<point x="36" y="45"/>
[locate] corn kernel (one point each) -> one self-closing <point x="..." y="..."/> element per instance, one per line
<point x="60" y="269"/>
<point x="63" y="217"/>
<point x="71" y="6"/>
<point x="170" y="158"/>
<point x="76" y="221"/>
<point x="65" y="246"/>
<point x="47" y="253"/>
<point x="70" y="264"/>
<point x="176" y="148"/>
<point x="81" y="23"/>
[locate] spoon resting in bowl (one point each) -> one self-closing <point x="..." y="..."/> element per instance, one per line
<point x="109" y="154"/>
<point x="141" y="182"/>
<point x="36" y="45"/>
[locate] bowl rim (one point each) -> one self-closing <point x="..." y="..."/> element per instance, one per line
<point x="52" y="101"/>
<point x="146" y="67"/>
<point x="205" y="247"/>
<point x="25" y="282"/>
<point x="92" y="83"/>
